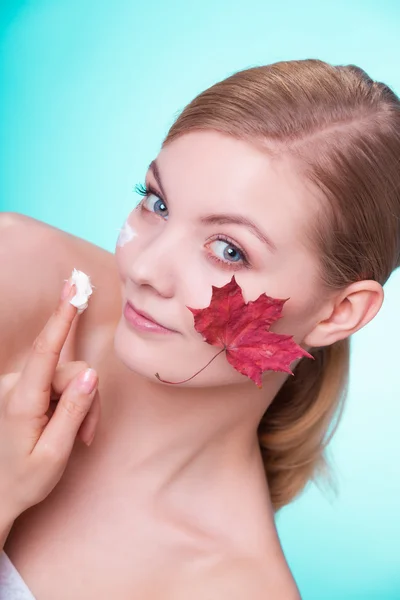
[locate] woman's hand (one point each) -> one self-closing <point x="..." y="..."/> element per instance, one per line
<point x="36" y="442"/>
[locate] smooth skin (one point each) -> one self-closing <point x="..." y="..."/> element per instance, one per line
<point x="170" y="499"/>
<point x="142" y="552"/>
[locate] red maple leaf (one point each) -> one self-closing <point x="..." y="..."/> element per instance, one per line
<point x="242" y="330"/>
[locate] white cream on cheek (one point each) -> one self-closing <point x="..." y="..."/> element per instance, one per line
<point x="126" y="235"/>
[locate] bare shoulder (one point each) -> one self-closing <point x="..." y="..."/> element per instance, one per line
<point x="23" y="236"/>
<point x="243" y="578"/>
<point x="35" y="258"/>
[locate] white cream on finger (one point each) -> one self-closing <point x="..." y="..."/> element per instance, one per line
<point x="84" y="289"/>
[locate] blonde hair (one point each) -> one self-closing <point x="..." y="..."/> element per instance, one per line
<point x="343" y="129"/>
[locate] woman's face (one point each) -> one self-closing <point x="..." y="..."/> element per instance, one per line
<point x="215" y="206"/>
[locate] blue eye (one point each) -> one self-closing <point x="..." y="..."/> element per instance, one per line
<point x="223" y="251"/>
<point x="151" y="200"/>
<point x="226" y="251"/>
<point x="154" y="204"/>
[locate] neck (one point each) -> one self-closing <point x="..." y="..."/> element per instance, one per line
<point x="212" y="430"/>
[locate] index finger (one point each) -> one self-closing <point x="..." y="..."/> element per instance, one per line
<point x="38" y="372"/>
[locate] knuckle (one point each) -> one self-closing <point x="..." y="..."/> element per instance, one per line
<point x="8" y="382"/>
<point x="51" y="454"/>
<point x="40" y="345"/>
<point x="74" y="409"/>
<point x="58" y="313"/>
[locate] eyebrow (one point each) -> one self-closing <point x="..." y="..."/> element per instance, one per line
<point x="220" y="218"/>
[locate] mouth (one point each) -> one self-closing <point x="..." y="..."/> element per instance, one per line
<point x="141" y="321"/>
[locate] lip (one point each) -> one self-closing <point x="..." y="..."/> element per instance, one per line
<point x="142" y="321"/>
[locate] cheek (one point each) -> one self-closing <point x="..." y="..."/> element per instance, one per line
<point x="298" y="282"/>
<point x="300" y="309"/>
<point x="299" y="314"/>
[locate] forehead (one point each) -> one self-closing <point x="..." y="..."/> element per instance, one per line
<point x="208" y="172"/>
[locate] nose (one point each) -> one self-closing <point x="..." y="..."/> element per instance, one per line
<point x="156" y="264"/>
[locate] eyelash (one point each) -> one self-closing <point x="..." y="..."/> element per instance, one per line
<point x="145" y="190"/>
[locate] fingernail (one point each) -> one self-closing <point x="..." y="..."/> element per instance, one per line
<point x="66" y="289"/>
<point x="90" y="439"/>
<point x="87" y="381"/>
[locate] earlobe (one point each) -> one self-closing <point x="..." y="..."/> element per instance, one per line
<point x="353" y="308"/>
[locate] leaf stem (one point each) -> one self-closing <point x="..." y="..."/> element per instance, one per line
<point x="189" y="378"/>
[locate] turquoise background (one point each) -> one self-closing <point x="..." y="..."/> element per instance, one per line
<point x="88" y="89"/>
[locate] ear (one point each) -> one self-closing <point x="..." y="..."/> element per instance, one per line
<point x="349" y="311"/>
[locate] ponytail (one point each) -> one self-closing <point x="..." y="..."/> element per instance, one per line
<point x="294" y="431"/>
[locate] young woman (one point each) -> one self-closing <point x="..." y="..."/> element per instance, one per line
<point x="285" y="176"/>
